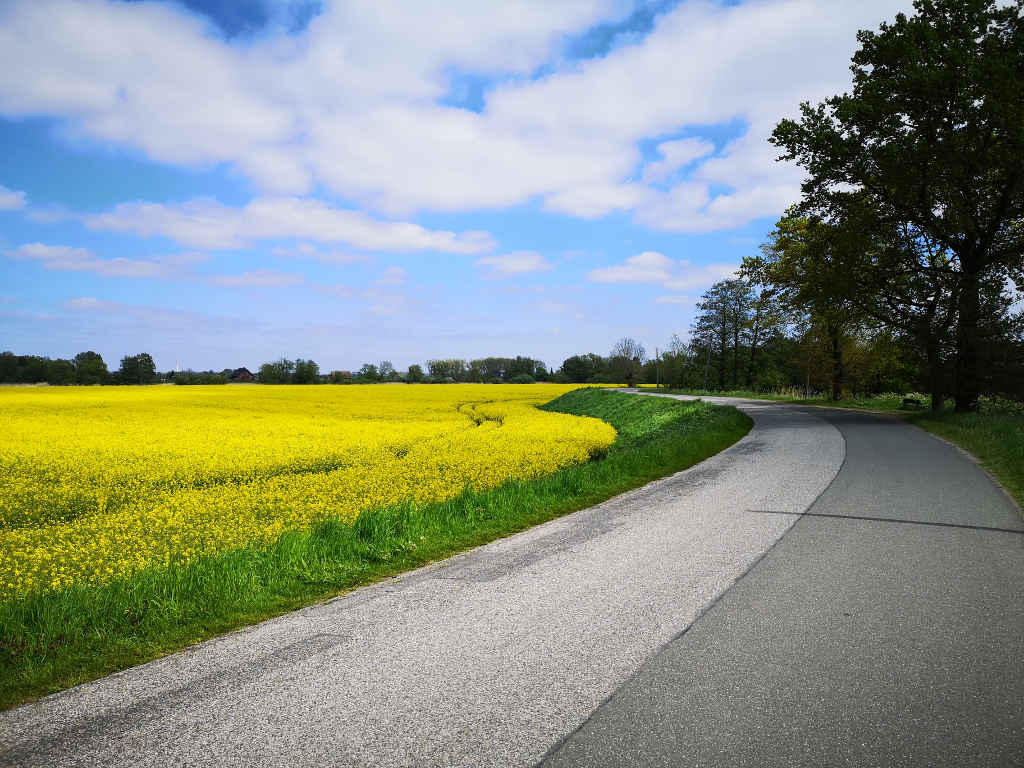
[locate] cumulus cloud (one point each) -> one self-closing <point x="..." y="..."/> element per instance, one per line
<point x="323" y="255"/>
<point x="689" y="276"/>
<point x="86" y="302"/>
<point x="206" y="223"/>
<point x="67" y="259"/>
<point x="656" y="268"/>
<point x="514" y="263"/>
<point x="354" y="104"/>
<point x="11" y="199"/>
<point x="175" y="266"/>
<point x="259" y="278"/>
<point x="646" y="267"/>
<point x="336" y="290"/>
<point x="675" y="155"/>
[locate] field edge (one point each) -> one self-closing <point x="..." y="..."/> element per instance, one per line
<point x="54" y="641"/>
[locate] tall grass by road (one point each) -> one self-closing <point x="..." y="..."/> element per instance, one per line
<point x="53" y="640"/>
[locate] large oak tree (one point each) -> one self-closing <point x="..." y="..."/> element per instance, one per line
<point x="932" y="135"/>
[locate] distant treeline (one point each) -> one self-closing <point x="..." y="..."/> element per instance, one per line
<point x="624" y="364"/>
<point x="492" y="370"/>
<point x="744" y="336"/>
<point x="84" y="368"/>
<point x="90" y="368"/>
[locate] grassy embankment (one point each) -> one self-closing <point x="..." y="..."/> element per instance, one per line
<point x="995" y="435"/>
<point x="52" y="641"/>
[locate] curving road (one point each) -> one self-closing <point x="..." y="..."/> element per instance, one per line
<point x="835" y="589"/>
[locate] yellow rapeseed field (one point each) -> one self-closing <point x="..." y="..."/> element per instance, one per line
<point x="97" y="483"/>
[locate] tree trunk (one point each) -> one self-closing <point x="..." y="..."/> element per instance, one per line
<point x="934" y="374"/>
<point x="837" y="363"/>
<point x="754" y="338"/>
<point x="722" y="352"/>
<point x="707" y="365"/>
<point x="967" y="387"/>
<point x="736" y="355"/>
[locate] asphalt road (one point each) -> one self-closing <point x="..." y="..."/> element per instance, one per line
<point x="885" y="629"/>
<point x="701" y="620"/>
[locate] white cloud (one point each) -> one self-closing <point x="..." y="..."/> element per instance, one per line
<point x="675" y="155"/>
<point x="689" y="207"/>
<point x="11" y="199"/>
<point x="174" y="266"/>
<point x="259" y="278"/>
<point x="689" y="276"/>
<point x="352" y="104"/>
<point x="646" y="267"/>
<point x="288" y="111"/>
<point x="656" y="268"/>
<point x="337" y="290"/>
<point x="328" y="256"/>
<point x="85" y="302"/>
<point x="593" y="201"/>
<point x="206" y="223"/>
<point x="67" y="259"/>
<point x="514" y="263"/>
<point x="673" y="299"/>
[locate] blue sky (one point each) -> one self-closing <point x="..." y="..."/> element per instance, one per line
<point x="223" y="183"/>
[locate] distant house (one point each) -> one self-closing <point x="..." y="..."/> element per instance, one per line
<point x="241" y="374"/>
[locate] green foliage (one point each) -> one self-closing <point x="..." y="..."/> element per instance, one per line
<point x="137" y="369"/>
<point x="414" y="374"/>
<point x="487" y="369"/>
<point x="90" y="368"/>
<point x="278" y="372"/>
<point x="34" y="369"/>
<point x="522" y="378"/>
<point x="306" y="372"/>
<point x="368" y="374"/>
<point x="582" y="369"/>
<point x="206" y="377"/>
<point x="928" y="149"/>
<point x="60" y="372"/>
<point x="51" y="641"/>
<point x="453" y="369"/>
<point x="626" y="361"/>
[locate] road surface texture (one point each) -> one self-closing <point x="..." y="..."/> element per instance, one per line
<point x="885" y="629"/>
<point x="835" y="589"/>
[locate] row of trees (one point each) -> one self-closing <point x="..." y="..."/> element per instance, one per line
<point x="910" y="228"/>
<point x="489" y="369"/>
<point x="748" y="336"/>
<point x="90" y="368"/>
<point x="83" y="368"/>
<point x="286" y="371"/>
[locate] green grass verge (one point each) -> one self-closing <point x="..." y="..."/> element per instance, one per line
<point x="887" y="402"/>
<point x="995" y="436"/>
<point x="51" y="641"/>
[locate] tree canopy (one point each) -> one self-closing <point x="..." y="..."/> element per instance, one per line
<point x="931" y="142"/>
